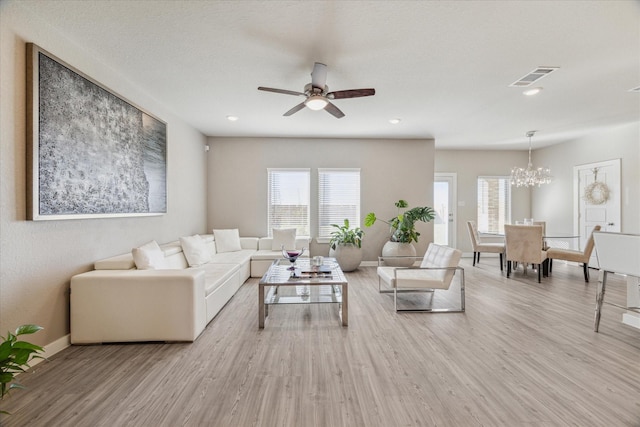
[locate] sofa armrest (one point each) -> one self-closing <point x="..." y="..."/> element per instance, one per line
<point x="137" y="305"/>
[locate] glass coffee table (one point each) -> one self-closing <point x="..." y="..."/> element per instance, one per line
<point x="305" y="284"/>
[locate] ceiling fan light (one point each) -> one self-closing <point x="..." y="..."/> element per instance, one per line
<point x="316" y="102"/>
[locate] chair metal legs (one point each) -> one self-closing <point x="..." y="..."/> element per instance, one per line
<point x="396" y="291"/>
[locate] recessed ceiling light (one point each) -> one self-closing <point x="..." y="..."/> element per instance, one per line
<point x="232" y="118"/>
<point x="395" y="121"/>
<point x="532" y="91"/>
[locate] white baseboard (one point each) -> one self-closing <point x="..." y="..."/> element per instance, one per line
<point x="53" y="348"/>
<point x="631" y="319"/>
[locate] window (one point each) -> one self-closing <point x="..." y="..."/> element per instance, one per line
<point x="288" y="198"/>
<point x="494" y="203"/>
<point x="338" y="198"/>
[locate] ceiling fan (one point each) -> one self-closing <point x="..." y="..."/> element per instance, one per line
<point x="317" y="93"/>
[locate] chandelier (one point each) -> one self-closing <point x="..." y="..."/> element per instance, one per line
<point x="530" y="176"/>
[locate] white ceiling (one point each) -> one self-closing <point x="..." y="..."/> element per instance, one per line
<point x="443" y="67"/>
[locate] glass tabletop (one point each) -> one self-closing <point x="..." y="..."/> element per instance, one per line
<point x="303" y="272"/>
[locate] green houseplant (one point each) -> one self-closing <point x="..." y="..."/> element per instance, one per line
<point x="403" y="225"/>
<point x="403" y="232"/>
<point x="346" y="245"/>
<point x="15" y="356"/>
<point x="343" y="235"/>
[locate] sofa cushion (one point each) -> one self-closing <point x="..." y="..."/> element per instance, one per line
<point x="283" y="237"/>
<point x="195" y="250"/>
<point x="237" y="257"/>
<point x="216" y="275"/>
<point x="148" y="256"/>
<point x="227" y="240"/>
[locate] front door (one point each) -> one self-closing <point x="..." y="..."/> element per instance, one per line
<point x="444" y="199"/>
<point x="597" y="197"/>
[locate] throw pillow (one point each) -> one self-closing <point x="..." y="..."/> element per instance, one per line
<point x="148" y="256"/>
<point x="227" y="240"/>
<point x="283" y="236"/>
<point x="195" y="250"/>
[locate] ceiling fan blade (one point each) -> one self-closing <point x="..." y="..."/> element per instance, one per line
<point x="284" y="91"/>
<point x="294" y="109"/>
<point x="319" y="75"/>
<point x="334" y="111"/>
<point x="351" y="93"/>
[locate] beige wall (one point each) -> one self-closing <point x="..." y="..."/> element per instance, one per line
<point x="37" y="259"/>
<point x="390" y="170"/>
<point x="468" y="165"/>
<point x="554" y="202"/>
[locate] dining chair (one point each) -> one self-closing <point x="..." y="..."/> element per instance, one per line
<point x="545" y="246"/>
<point x="573" y="255"/>
<point x="479" y="246"/>
<point x="523" y="244"/>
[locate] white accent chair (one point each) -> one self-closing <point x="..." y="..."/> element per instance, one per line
<point x="436" y="272"/>
<point x="479" y="246"/>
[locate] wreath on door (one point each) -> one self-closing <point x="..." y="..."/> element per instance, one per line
<point x="596" y="193"/>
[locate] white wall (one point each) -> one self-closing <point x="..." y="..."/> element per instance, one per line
<point x="554" y="202"/>
<point x="37" y="259"/>
<point x="390" y="170"/>
<point x="469" y="165"/>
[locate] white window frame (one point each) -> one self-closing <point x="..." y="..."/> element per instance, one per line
<point x="325" y="219"/>
<point x="304" y="199"/>
<point x="504" y="214"/>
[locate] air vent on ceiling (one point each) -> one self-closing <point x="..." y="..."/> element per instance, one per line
<point x="635" y="89"/>
<point x="533" y="76"/>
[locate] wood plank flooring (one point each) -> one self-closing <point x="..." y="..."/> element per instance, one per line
<point x="523" y="354"/>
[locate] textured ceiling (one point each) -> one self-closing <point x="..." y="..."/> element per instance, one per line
<point x="443" y="67"/>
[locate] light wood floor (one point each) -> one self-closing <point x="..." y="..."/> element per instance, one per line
<point x="523" y="354"/>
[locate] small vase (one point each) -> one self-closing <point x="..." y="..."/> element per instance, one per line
<point x="394" y="249"/>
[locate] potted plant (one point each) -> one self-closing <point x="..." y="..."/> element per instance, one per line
<point x="15" y="356"/>
<point x="346" y="246"/>
<point x="402" y="228"/>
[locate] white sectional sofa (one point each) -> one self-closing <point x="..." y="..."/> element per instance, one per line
<point x="116" y="302"/>
<point x="262" y="259"/>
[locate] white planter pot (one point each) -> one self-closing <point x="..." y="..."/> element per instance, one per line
<point x="348" y="256"/>
<point x="393" y="249"/>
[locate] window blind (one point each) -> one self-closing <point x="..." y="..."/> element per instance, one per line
<point x="288" y="200"/>
<point x="338" y="198"/>
<point x="494" y="203"/>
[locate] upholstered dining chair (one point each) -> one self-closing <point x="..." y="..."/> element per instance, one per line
<point x="574" y="256"/>
<point x="479" y="246"/>
<point x="523" y="244"/>
<point x="544" y="233"/>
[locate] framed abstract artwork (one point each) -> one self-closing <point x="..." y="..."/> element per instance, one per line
<point x="90" y="152"/>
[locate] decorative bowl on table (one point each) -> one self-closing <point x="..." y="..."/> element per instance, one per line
<point x="292" y="255"/>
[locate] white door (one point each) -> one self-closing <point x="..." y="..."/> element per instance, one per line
<point x="444" y="199"/>
<point x="597" y="198"/>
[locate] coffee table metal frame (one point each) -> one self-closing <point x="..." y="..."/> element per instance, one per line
<point x="311" y="288"/>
